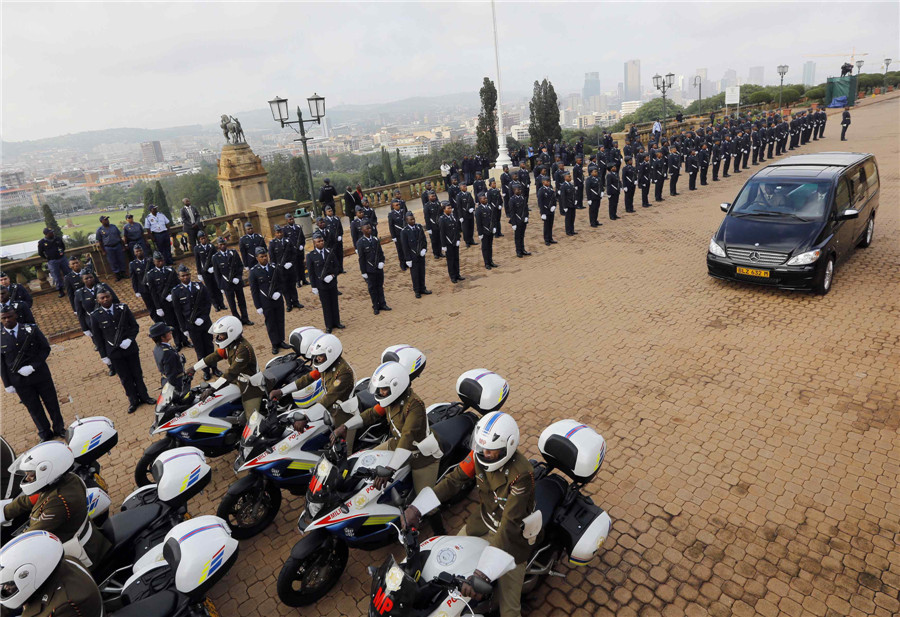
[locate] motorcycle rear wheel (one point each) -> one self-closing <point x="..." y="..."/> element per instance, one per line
<point x="142" y="475"/>
<point x="306" y="580"/>
<point x="250" y="512"/>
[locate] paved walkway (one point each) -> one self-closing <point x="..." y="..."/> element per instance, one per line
<point x="752" y="463"/>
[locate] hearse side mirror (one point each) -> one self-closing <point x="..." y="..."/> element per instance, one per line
<point x="849" y="213"/>
<point x="724" y="205"/>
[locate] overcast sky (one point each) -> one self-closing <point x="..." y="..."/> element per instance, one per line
<point x="83" y="66"/>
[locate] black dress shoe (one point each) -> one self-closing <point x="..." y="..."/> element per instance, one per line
<point x="217" y="372"/>
<point x="207" y="375"/>
<point x="246" y="322"/>
<point x="385" y="307"/>
<point x="62" y="432"/>
<point x="493" y="265"/>
<point x="290" y="307"/>
<point x="498" y="235"/>
<point x="614" y="218"/>
<point x="61" y="293"/>
<point x="645" y="205"/>
<point x="595" y="224"/>
<point x="188" y="345"/>
<point x="327" y="330"/>
<point x="519" y="255"/>
<point x="403" y="269"/>
<point x="284" y="345"/>
<point x="340" y="293"/>
<point x="553" y="242"/>
<point x="274" y="351"/>
<point x="132" y="408"/>
<point x="376" y="311"/>
<point x="298" y="305"/>
<point x="487" y="266"/>
<point x="427" y="292"/>
<point x="418" y="295"/>
<point x="526" y="253"/>
<point x="149" y="401"/>
<point x="546" y="244"/>
<point x="340" y="326"/>
<point x="111" y="372"/>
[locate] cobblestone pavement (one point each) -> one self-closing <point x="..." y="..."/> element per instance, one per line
<point x="752" y="463"/>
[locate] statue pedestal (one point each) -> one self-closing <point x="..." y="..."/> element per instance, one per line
<point x="242" y="178"/>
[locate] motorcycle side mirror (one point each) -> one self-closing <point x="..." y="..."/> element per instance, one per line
<point x="724" y="206"/>
<point x="326" y="418"/>
<point x="396" y="499"/>
<point x="372" y="570"/>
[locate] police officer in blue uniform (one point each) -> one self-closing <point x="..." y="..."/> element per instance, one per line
<point x="415" y="245"/>
<point x="371" y="265"/>
<point x="192" y="307"/>
<point x="323" y="272"/>
<point x="23" y="311"/>
<point x="109" y="238"/>
<point x="449" y="238"/>
<point x="138" y="269"/>
<point x="265" y="289"/>
<point x="283" y="256"/>
<point x="229" y="271"/>
<point x="248" y="243"/>
<point x="134" y="235"/>
<point x="293" y="233"/>
<point x="161" y="279"/>
<point x="203" y="254"/>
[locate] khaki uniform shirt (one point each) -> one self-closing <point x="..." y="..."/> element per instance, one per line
<point x="69" y="592"/>
<point x="338" y="382"/>
<point x="407" y="423"/>
<point x="241" y="366"/>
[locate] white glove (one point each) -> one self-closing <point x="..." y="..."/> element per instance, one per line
<point x="137" y="295"/>
<point x="105" y="361"/>
<point x="543" y="217"/>
<point x="26" y="370"/>
<point x="460" y="220"/>
<point x="340" y="238"/>
<point x="394" y="240"/>
<point x="409" y="264"/>
<point x="329" y="278"/>
<point x="471" y="210"/>
<point x="88" y="333"/>
<point x="210" y="270"/>
<point x="602" y="195"/>
<point x="287" y="265"/>
<point x="356" y="252"/>
<point x="422" y="253"/>
<point x="260" y="311"/>
<point x="590" y="202"/>
<point x="198" y="321"/>
<point x="443" y="250"/>
<point x="315" y="291"/>
<point x="365" y="276"/>
<point x="125" y="344"/>
<point x="159" y="312"/>
<point x="514" y="227"/>
<point x="169" y="298"/>
<point x="428" y="230"/>
<point x="235" y="281"/>
<point x="276" y="295"/>
<point x="457" y="243"/>
<point x="10" y="390"/>
<point x="493" y="230"/>
<point x="552" y="208"/>
<point x="381" y="265"/>
<point x="526" y="219"/>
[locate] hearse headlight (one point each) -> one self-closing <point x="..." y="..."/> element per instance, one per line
<point x="804" y="258"/>
<point x="715" y="249"/>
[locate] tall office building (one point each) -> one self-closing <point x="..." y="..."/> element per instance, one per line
<point x="632" y="80"/>
<point x="809" y="73"/>
<point x="729" y="78"/>
<point x="703" y="73"/>
<point x="151" y="152"/>
<point x="757" y="76"/>
<point x="591" y="86"/>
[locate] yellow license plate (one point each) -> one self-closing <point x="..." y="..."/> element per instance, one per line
<point x="751" y="272"/>
<point x="210" y="608"/>
<point x="101" y="482"/>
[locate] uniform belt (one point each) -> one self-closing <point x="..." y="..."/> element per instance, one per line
<point x="85" y="532"/>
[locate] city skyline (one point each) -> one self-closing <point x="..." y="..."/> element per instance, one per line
<point x="193" y="64"/>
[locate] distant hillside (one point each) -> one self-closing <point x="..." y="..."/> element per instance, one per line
<point x="87" y="140"/>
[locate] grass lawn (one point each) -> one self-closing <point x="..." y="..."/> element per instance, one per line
<point x="87" y="223"/>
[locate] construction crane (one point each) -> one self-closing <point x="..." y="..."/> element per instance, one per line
<point x="852" y="55"/>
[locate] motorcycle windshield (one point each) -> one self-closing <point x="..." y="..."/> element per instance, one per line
<point x="393" y="591"/>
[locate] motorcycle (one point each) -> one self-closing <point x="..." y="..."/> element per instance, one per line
<point x="343" y="507"/>
<point x="89" y="439"/>
<point x="279" y="458"/>
<point x="172" y="579"/>
<point x="427" y="583"/>
<point x="214" y="425"/>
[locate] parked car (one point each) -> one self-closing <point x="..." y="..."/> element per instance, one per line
<point x="794" y="221"/>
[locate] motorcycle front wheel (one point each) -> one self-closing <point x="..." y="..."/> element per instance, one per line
<point x="306" y="580"/>
<point x="142" y="475"/>
<point x="250" y="512"/>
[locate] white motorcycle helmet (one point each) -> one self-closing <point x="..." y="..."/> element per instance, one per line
<point x="391" y="375"/>
<point x="302" y="338"/>
<point x="229" y="328"/>
<point x="495" y="431"/>
<point x="26" y="562"/>
<point x="43" y="465"/>
<point x="327" y="346"/>
<point x="408" y="356"/>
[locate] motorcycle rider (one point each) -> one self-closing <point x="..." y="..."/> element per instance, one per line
<point x="57" y="501"/>
<point x="38" y="578"/>
<point x="407" y="422"/>
<point x="228" y="335"/>
<point x="505" y="481"/>
<point x="336" y="373"/>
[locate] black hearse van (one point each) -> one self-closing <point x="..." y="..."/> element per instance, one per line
<point x="795" y="220"/>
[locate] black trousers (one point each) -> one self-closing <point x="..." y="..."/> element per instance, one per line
<point x="673" y="183"/>
<point x="375" y="283"/>
<point x="163" y="242"/>
<point x="417" y="273"/>
<point x="844" y="128"/>
<point x="274" y="316"/>
<point x="548" y="226"/>
<point x="692" y="180"/>
<point x="170" y="318"/>
<point x="658" y="189"/>
<point x="487" y="248"/>
<point x="147" y="297"/>
<point x="212" y="286"/>
<point x="289" y="286"/>
<point x="746" y="159"/>
<point x="202" y="340"/>
<point x="468" y="229"/>
<point x="579" y="195"/>
<point x="645" y="195"/>
<point x="339" y="249"/>
<point x="233" y="294"/>
<point x="569" y="218"/>
<point x="434" y="238"/>
<point x="736" y="160"/>
<point x="128" y="369"/>
<point x="593" y="211"/>
<point x="300" y="269"/>
<point x="38" y="393"/>
<point x="715" y="168"/>
<point x="398" y="244"/>
<point x="771" y="147"/>
<point x="613" y="204"/>
<point x="755" y="155"/>
<point x="703" y="173"/>
<point x="629" y="199"/>
<point x="452" y="258"/>
<point x="520" y="237"/>
<point x="495" y="221"/>
<point x="328" y="296"/>
<point x="727" y="166"/>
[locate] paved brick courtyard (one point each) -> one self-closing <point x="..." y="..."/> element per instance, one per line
<point x="752" y="464"/>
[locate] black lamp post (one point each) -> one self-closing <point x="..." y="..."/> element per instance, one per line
<point x="859" y="65"/>
<point x="698" y="83"/>
<point x="280" y="112"/>
<point x="887" y="65"/>
<point x="663" y="84"/>
<point x="782" y="71"/>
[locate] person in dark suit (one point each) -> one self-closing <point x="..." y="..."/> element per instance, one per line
<point x="356" y="226"/>
<point x="465" y="212"/>
<point x="396" y="223"/>
<point x="674" y="170"/>
<point x="23" y="365"/>
<point x="190" y="221"/>
<point x="22" y="310"/>
<point x="703" y="162"/>
<point x="518" y="220"/>
<point x="138" y="269"/>
<point x="659" y="168"/>
<point x="86" y="300"/>
<point x="229" y="271"/>
<point x="578" y="182"/>
<point x="72" y="282"/>
<point x="629" y="183"/>
<point x="192" y="307"/>
<point x="449" y="239"/>
<point x="524" y="180"/>
<point x="350" y="201"/>
<point x="692" y="167"/>
<point x="327" y="194"/>
<point x="845" y="122"/>
<point x="644" y="171"/>
<point x="293" y="233"/>
<point x="336" y="234"/>
<point x="203" y="254"/>
<point x="115" y="330"/>
<point x="495" y="199"/>
<point x="17" y="292"/>
<point x="265" y="289"/>
<point x="283" y="256"/>
<point x="323" y="272"/>
<point x="415" y="245"/>
<point x="505" y="180"/>
<point x="248" y="243"/>
<point x="612" y="192"/>
<point x="53" y="250"/>
<point x="432" y="214"/>
<point x="479" y="186"/>
<point x="370" y="215"/>
<point x="371" y="266"/>
<point x="160" y="280"/>
<point x="484" y="226"/>
<point x="566" y="194"/>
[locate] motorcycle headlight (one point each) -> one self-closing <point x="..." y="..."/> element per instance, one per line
<point x="323" y="469"/>
<point x="804" y="258"/>
<point x="393" y="580"/>
<point x="715" y="249"/>
<point x="313" y="508"/>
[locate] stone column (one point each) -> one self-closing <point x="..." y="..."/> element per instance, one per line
<point x="242" y="178"/>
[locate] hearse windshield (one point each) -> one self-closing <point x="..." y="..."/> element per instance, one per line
<point x="784" y="199"/>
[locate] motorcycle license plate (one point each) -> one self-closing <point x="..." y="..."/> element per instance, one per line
<point x="101" y="482"/>
<point x="211" y="609"/>
<point x="752" y="272"/>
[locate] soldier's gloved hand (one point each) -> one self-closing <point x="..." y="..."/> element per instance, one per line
<point x="125" y="344"/>
<point x="105" y="361"/>
<point x="460" y="220"/>
<point x="443" y="250"/>
<point x="89" y="334"/>
<point x="552" y="208"/>
<point x="543" y="217"/>
<point x="198" y="321"/>
<point x="394" y="240"/>
<point x="514" y="227"/>
<point x="10" y="390"/>
<point x="340" y="238"/>
<point x="300" y="424"/>
<point x="315" y="291"/>
<point x="493" y="230"/>
<point x="260" y="311"/>
<point x="169" y="298"/>
<point x="457" y="243"/>
<point x="338" y="434"/>
<point x="526" y="219"/>
<point x="287" y="265"/>
<point x="235" y="280"/>
<point x="210" y="270"/>
<point x="409" y="264"/>
<point x="428" y="230"/>
<point x="381" y="265"/>
<point x="329" y="278"/>
<point x="422" y="253"/>
<point x="471" y="210"/>
<point x="412" y="517"/>
<point x="137" y="295"/>
<point x="159" y="312"/>
<point x="26" y="370"/>
<point x="365" y="276"/>
<point x="276" y="295"/>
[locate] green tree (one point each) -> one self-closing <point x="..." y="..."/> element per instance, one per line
<point x="763" y="96"/>
<point x="401" y="175"/>
<point x="789" y="95"/>
<point x="280" y="178"/>
<point x="552" y="128"/>
<point x="148" y="201"/>
<point x="159" y="195"/>
<point x="299" y="180"/>
<point x="816" y="94"/>
<point x="50" y="220"/>
<point x="648" y="112"/>
<point x="544" y="108"/>
<point x="386" y="167"/>
<point x="486" y="131"/>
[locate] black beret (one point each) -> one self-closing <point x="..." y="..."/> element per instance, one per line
<point x="183" y="268"/>
<point x="157" y="255"/>
<point x="261" y="250"/>
<point x="221" y="241"/>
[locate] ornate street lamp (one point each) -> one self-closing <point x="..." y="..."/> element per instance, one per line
<point x="859" y="65"/>
<point x="663" y="84"/>
<point x="279" y="107"/>
<point x="782" y="71"/>
<point x="887" y="65"/>
<point x="698" y="83"/>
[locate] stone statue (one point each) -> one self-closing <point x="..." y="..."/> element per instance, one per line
<point x="231" y="129"/>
